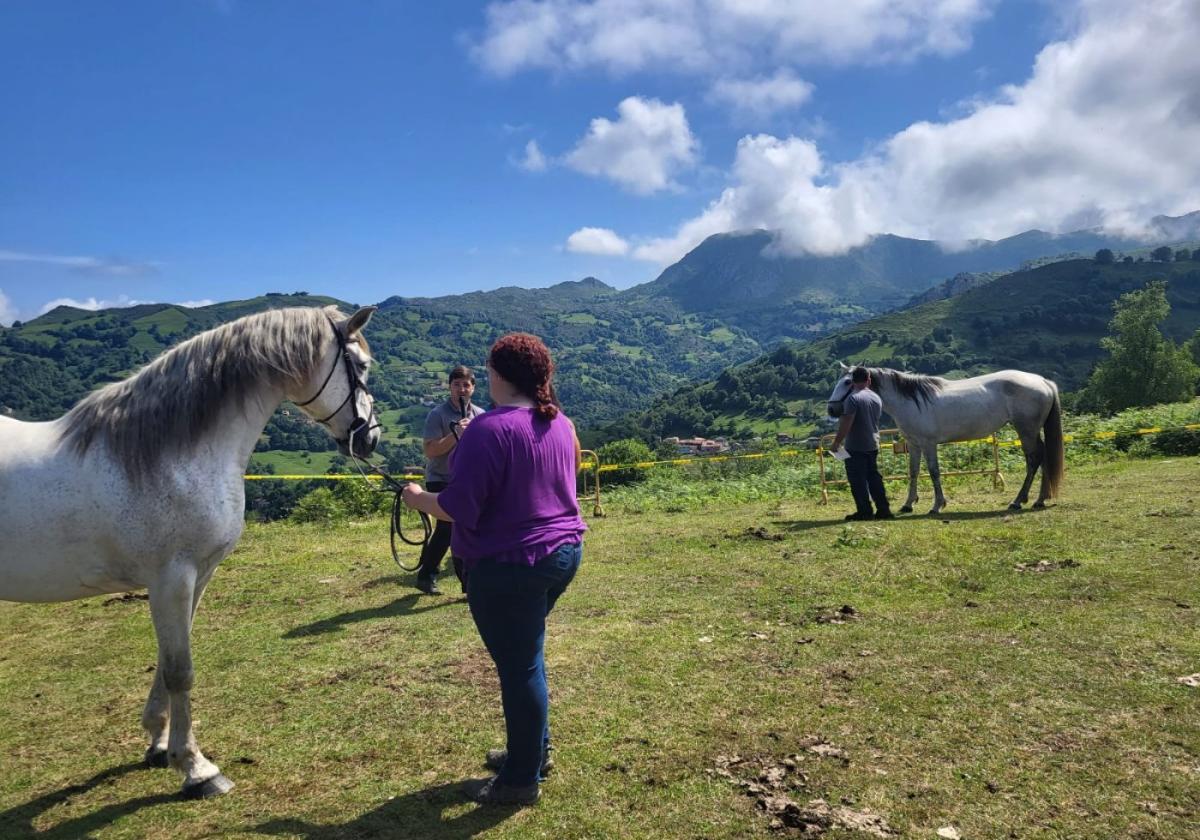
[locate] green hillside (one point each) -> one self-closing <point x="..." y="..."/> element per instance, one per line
<point x="47" y="364"/>
<point x="611" y="351"/>
<point x="1048" y="319"/>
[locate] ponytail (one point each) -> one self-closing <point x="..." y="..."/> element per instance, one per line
<point x="546" y="401"/>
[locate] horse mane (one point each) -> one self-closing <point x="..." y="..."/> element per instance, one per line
<point x="916" y="386"/>
<point x="170" y="403"/>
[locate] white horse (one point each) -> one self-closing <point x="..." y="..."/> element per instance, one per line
<point x="930" y="410"/>
<point x="139" y="486"/>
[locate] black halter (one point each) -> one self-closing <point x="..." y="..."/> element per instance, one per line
<point x="359" y="425"/>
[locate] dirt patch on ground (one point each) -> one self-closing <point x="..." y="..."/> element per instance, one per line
<point x="840" y="615"/>
<point x="1047" y="565"/>
<point x="774" y="784"/>
<point x="759" y="533"/>
<point x="128" y="597"/>
<point x="475" y="668"/>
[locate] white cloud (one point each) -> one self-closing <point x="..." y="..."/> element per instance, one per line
<point x="593" y="240"/>
<point x="534" y="160"/>
<point x="121" y="302"/>
<point x="113" y="266"/>
<point x="762" y="95"/>
<point x="738" y="36"/>
<point x="1103" y="133"/>
<point x="91" y="303"/>
<point x="648" y="143"/>
<point x="8" y="312"/>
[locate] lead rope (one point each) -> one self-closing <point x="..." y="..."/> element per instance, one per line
<point x="397" y="525"/>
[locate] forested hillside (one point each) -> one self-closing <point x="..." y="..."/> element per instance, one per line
<point x="47" y="364"/>
<point x="1048" y="320"/>
<point x="612" y="351"/>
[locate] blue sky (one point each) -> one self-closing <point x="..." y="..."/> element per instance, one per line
<point x="216" y="149"/>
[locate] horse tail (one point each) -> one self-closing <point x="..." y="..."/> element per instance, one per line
<point x="1055" y="462"/>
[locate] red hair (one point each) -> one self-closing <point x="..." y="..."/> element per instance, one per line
<point x="523" y="360"/>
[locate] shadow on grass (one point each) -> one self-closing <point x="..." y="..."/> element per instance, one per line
<point x="17" y="823"/>
<point x="944" y="516"/>
<point x="404" y="605"/>
<point x="416" y="815"/>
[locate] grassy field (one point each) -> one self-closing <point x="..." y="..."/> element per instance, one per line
<point x="291" y="463"/>
<point x="1001" y="675"/>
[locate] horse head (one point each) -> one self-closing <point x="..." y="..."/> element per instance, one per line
<point x="835" y="405"/>
<point x="342" y="403"/>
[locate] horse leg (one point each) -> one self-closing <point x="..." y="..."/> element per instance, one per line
<point x="914" y="472"/>
<point x="1032" y="449"/>
<point x="173" y="598"/>
<point x="1044" y="489"/>
<point x="935" y="475"/>
<point x="155" y="716"/>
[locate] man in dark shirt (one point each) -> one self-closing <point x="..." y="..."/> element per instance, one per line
<point x="859" y="430"/>
<point x="443" y="427"/>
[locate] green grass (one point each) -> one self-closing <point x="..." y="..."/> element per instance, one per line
<point x="292" y="463"/>
<point x="965" y="692"/>
<point x="169" y="321"/>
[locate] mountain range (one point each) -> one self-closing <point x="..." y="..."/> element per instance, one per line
<point x="728" y="301"/>
<point x="741" y="278"/>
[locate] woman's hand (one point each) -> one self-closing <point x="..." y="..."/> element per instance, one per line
<point x="411" y="493"/>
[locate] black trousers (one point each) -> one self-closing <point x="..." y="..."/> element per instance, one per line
<point x="439" y="542"/>
<point x="866" y="483"/>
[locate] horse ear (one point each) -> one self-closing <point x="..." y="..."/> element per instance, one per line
<point x="359" y="320"/>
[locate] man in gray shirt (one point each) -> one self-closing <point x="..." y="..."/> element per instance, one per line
<point x="859" y="429"/>
<point x="443" y="427"/>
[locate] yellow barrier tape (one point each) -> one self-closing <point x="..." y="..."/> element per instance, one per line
<point x="782" y="453"/>
<point x="328" y="477"/>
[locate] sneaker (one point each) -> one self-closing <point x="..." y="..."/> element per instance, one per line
<point x="494" y="792"/>
<point x="859" y="517"/>
<point x="496" y="758"/>
<point x="428" y="586"/>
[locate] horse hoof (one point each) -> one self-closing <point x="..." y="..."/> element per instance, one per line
<point x="156" y="757"/>
<point x="1039" y="505"/>
<point x="215" y="786"/>
<point x="1015" y="506"/>
<point x="906" y="509"/>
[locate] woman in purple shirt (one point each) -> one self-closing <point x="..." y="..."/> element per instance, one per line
<point x="517" y="527"/>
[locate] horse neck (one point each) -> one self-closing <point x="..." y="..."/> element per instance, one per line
<point x="894" y="403"/>
<point x="240" y="425"/>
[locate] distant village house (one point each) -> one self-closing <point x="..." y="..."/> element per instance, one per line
<point x="697" y="445"/>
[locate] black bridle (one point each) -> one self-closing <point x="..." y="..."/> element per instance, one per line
<point x="360" y="425"/>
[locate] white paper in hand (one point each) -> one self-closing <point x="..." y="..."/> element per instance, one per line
<point x="841" y="454"/>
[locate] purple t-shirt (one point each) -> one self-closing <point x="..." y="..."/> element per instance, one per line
<point x="512" y="490"/>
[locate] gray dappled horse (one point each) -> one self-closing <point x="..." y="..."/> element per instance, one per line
<point x="930" y="410"/>
<point x="139" y="486"/>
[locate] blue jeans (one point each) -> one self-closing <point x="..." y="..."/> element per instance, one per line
<point x="509" y="603"/>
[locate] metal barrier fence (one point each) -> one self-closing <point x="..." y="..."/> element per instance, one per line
<point x="589" y="466"/>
